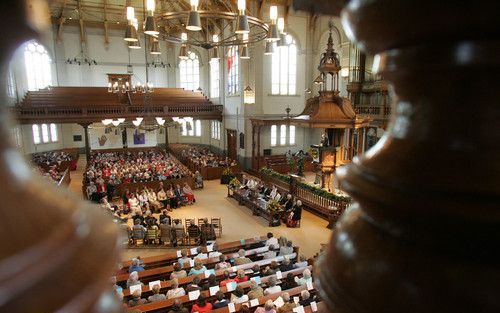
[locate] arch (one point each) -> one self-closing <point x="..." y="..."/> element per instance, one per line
<point x="37" y="62"/>
<point x="284" y="68"/>
<point x="189" y="71"/>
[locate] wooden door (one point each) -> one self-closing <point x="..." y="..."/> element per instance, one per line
<point x="231" y="144"/>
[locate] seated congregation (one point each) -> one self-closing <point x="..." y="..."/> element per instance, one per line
<point x="262" y="272"/>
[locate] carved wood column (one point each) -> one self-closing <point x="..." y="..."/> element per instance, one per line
<point x="87" y="141"/>
<point x="258" y="146"/>
<point x="422" y="235"/>
<point x="254" y="164"/>
<point x="124" y="137"/>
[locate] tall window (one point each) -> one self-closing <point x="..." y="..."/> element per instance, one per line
<point x="53" y="132"/>
<point x="232" y="69"/>
<point x="197" y="127"/>
<point x="291" y="135"/>
<point x="190" y="72"/>
<point x="11" y="85"/>
<point x="38" y="70"/>
<point x="284" y="69"/>
<point x="274" y="135"/>
<point x="36" y="134"/>
<point x="216" y="125"/>
<point x="214" y="78"/>
<point x="283" y="131"/>
<point x="283" y="135"/>
<point x="191" y="127"/>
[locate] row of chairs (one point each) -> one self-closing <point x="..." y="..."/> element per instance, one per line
<point x="183" y="236"/>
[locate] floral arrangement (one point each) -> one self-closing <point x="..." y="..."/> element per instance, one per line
<point x="234" y="183"/>
<point x="273" y="206"/>
<point x="227" y="172"/>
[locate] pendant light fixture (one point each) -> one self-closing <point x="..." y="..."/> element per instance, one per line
<point x="282" y="34"/>
<point x="155" y="47"/>
<point x="272" y="34"/>
<point x="242" y="25"/>
<point x="215" y="49"/>
<point x="194" y="21"/>
<point x="150" y="24"/>
<point x="183" y="53"/>
<point x="269" y="48"/>
<point x="130" y="30"/>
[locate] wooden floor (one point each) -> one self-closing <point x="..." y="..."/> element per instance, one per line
<point x="237" y="221"/>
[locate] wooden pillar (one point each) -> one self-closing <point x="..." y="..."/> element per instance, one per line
<point x="422" y="234"/>
<point x="124" y="138"/>
<point x="166" y="139"/>
<point x="254" y="163"/>
<point x="258" y="147"/>
<point x="87" y="142"/>
<point x="351" y="143"/>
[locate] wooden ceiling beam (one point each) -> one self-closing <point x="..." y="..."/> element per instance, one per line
<point x="60" y="23"/>
<point x="82" y="23"/>
<point x="106" y="31"/>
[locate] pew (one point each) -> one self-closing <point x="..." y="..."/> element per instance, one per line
<point x="165" y="304"/>
<point x="218" y="273"/>
<point x="171" y="257"/>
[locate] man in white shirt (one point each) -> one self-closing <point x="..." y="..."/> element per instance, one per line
<point x="201" y="255"/>
<point x="272" y="241"/>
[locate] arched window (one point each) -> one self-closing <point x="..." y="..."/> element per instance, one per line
<point x="214" y="78"/>
<point x="38" y="70"/>
<point x="284" y="69"/>
<point x="232" y="70"/>
<point x="190" y="72"/>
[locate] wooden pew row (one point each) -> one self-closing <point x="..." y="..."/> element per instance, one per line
<point x="171" y="257"/>
<point x="218" y="273"/>
<point x="165" y="304"/>
<point x="151" y="274"/>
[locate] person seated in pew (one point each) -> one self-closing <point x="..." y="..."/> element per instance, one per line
<point x="201" y="305"/>
<point x="164" y="216"/>
<point x="272" y="241"/>
<point x="272" y="286"/>
<point x="256" y="271"/>
<point x="178" y="307"/>
<point x="273" y="193"/>
<point x="226" y="279"/>
<point x="306" y="277"/>
<point x="240" y="276"/>
<point x="220" y="301"/>
<point x="305" y="298"/>
<point x="239" y="296"/>
<point x="194" y="231"/>
<point x="184" y="259"/>
<point x="162" y="197"/>
<point x="268" y="307"/>
<point x="242" y="259"/>
<point x="153" y="200"/>
<point x="302" y="262"/>
<point x="173" y="201"/>
<point x="289" y="282"/>
<point x="179" y="194"/>
<point x="157" y="296"/>
<point x="286" y="265"/>
<point x="136" y="299"/>
<point x="201" y="255"/>
<point x="194" y="285"/>
<point x="288" y="249"/>
<point x="215" y="253"/>
<point x="211" y="282"/>
<point x="133" y="279"/>
<point x="175" y="290"/>
<point x="271" y="269"/>
<point x="255" y="291"/>
<point x="198" y="268"/>
<point x="222" y="263"/>
<point x="178" y="272"/>
<point x="270" y="254"/>
<point x="289" y="303"/>
<point x="136" y="266"/>
<point x="188" y="193"/>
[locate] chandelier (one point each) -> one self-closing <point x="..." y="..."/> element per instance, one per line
<point x="206" y="27"/>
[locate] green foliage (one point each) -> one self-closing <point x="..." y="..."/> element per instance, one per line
<point x="315" y="190"/>
<point x="273" y="206"/>
<point x="234" y="183"/>
<point x="227" y="171"/>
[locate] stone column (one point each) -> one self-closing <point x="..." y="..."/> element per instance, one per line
<point x="87" y="142"/>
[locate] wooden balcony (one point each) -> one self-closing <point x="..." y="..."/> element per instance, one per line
<point x="92" y="104"/>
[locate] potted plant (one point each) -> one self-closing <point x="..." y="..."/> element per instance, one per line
<point x="227" y="176"/>
<point x="274" y="208"/>
<point x="234" y="183"/>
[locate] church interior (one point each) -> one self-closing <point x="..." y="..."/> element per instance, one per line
<point x="250" y="156"/>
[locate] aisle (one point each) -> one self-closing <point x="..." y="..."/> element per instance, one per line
<point x="238" y="222"/>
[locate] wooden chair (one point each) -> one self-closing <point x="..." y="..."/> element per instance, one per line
<point x="152" y="236"/>
<point x="194" y="234"/>
<point x="201" y="221"/>
<point x="180" y="235"/>
<point x="217" y="222"/>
